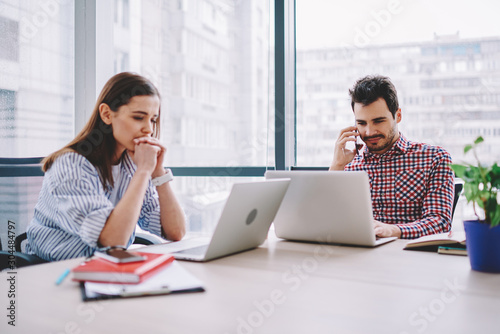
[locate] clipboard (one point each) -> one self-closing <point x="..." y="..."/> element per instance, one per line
<point x="172" y="280"/>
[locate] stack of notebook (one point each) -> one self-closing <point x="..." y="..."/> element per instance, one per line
<point x="156" y="274"/>
<point x="443" y="243"/>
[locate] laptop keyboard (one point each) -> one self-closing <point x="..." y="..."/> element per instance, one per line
<point x="200" y="250"/>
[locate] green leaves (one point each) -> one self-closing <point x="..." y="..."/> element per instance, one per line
<point x="495" y="217"/>
<point x="494" y="176"/>
<point x="467" y="148"/>
<point x="468" y="173"/>
<point x="482" y="184"/>
<point x="478" y="140"/>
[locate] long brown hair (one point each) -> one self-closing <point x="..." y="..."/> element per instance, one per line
<point x="95" y="141"/>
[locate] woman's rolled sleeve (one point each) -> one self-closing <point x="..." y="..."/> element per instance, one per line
<point x="82" y="210"/>
<point x="71" y="211"/>
<point x="149" y="219"/>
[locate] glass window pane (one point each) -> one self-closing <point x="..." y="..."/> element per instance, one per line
<point x="203" y="199"/>
<point x="445" y="67"/>
<point x="211" y="62"/>
<point x="36" y="76"/>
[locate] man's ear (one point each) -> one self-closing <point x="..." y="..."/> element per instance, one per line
<point x="398" y="115"/>
<point x="105" y="112"/>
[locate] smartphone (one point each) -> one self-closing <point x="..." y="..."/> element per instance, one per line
<point x="358" y="144"/>
<point x="119" y="255"/>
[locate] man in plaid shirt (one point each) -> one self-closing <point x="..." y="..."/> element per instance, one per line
<point x="411" y="184"/>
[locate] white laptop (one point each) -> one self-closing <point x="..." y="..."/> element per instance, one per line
<point x="327" y="207"/>
<point x="244" y="223"/>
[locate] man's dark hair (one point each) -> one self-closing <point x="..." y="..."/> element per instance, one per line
<point x="372" y="87"/>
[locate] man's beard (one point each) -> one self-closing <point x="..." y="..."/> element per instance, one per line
<point x="383" y="144"/>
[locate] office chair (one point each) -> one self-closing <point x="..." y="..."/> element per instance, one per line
<point x="458" y="192"/>
<point x="20" y="183"/>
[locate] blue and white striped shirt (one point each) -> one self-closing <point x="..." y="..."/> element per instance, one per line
<point x="73" y="207"/>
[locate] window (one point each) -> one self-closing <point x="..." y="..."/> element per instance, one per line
<point x="445" y="69"/>
<point x="36" y="77"/>
<point x="203" y="198"/>
<point x="210" y="61"/>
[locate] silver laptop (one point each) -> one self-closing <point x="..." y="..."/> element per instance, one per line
<point x="327" y="207"/>
<point x="244" y="223"/>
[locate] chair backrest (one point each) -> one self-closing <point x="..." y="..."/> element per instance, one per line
<point x="458" y="192"/>
<point x="20" y="183"/>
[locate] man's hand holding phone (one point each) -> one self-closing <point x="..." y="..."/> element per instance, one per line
<point x="342" y="155"/>
<point x="358" y="144"/>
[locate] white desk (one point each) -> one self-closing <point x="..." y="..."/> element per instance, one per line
<point x="281" y="287"/>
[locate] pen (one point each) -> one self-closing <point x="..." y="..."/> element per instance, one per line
<point x="62" y="277"/>
<point x="158" y="291"/>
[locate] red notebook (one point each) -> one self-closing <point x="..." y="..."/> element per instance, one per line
<point x="101" y="270"/>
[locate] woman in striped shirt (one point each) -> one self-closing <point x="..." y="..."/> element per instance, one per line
<point x="108" y="179"/>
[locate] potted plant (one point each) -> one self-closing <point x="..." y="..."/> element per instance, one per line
<point x="482" y="187"/>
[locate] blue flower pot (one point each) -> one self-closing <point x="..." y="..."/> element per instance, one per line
<point x="483" y="246"/>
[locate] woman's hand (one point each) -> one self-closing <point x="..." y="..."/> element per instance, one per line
<point x="152" y="155"/>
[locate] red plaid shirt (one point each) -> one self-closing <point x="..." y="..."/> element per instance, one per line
<point x="412" y="186"/>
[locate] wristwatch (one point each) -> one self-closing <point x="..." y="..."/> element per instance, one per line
<point x="167" y="177"/>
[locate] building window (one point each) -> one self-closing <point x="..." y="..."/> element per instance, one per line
<point x="9" y="39"/>
<point x="122" y="13"/>
<point x="121" y="62"/>
<point x="7" y="113"/>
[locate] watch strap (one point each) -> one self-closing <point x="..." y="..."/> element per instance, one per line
<point x="167" y="177"/>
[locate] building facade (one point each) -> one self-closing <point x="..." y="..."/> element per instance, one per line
<point x="448" y="89"/>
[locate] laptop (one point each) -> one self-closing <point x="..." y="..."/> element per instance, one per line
<point x="243" y="224"/>
<point x="327" y="207"/>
